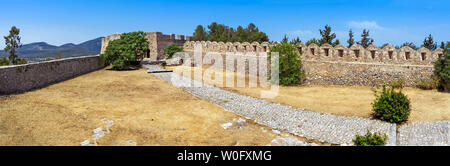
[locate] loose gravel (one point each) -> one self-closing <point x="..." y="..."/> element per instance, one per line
<point x="425" y="134"/>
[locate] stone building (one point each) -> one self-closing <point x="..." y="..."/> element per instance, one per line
<point x="157" y="42"/>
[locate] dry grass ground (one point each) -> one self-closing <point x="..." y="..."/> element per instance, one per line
<point x="427" y="105"/>
<point x="144" y="109"/>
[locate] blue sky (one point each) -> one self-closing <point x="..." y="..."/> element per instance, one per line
<point x="73" y="21"/>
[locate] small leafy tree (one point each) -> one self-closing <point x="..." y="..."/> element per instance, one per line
<point x="428" y="83"/>
<point x="351" y="40"/>
<point x="370" y="139"/>
<point x="398" y="84"/>
<point x="255" y="34"/>
<point x="241" y="35"/>
<point x="442" y="69"/>
<point x="336" y="42"/>
<point x="200" y="34"/>
<point x="127" y="50"/>
<point x="59" y="56"/>
<point x="311" y="41"/>
<point x="365" y="40"/>
<point x="296" y="40"/>
<point x="384" y="45"/>
<point x="170" y="50"/>
<point x="22" y="61"/>
<point x="409" y="44"/>
<point x="327" y="36"/>
<point x="4" y="61"/>
<point x="429" y="43"/>
<point x="289" y="64"/>
<point x="12" y="42"/>
<point x="285" y="39"/>
<point x="391" y="106"/>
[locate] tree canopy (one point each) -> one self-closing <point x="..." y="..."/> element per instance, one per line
<point x="351" y="40"/>
<point x="170" y="50"/>
<point x="12" y="42"/>
<point x="311" y="41"/>
<point x="429" y="43"/>
<point x="4" y="61"/>
<point x="442" y="69"/>
<point x="200" y="34"/>
<point x="327" y="36"/>
<point x="409" y="44"/>
<point x="123" y="52"/>
<point x="366" y="41"/>
<point x="222" y="33"/>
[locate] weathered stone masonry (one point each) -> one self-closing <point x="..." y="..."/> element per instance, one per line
<point x="340" y="65"/>
<point x="21" y="78"/>
<point x="157" y="42"/>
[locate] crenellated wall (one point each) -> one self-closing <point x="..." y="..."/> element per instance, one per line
<point x="326" y="52"/>
<point x="340" y="65"/>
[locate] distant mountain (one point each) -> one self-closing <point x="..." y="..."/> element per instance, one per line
<point x="39" y="46"/>
<point x="39" y="51"/>
<point x="68" y="45"/>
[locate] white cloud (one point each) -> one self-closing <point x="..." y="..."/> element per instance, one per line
<point x="371" y="25"/>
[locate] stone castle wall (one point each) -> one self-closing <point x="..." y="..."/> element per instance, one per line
<point x="340" y="65"/>
<point x="157" y="42"/>
<point x="21" y="78"/>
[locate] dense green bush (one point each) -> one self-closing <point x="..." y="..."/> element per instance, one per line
<point x="126" y="51"/>
<point x="391" y="106"/>
<point x="428" y="83"/>
<point x="398" y="84"/>
<point x="442" y="69"/>
<point x="289" y="65"/>
<point x="4" y="61"/>
<point x="22" y="61"/>
<point x="170" y="50"/>
<point x="370" y="139"/>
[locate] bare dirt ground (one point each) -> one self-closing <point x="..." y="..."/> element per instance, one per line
<point x="427" y="105"/>
<point x="144" y="109"/>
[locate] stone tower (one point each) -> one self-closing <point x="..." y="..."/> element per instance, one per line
<point x="157" y="42"/>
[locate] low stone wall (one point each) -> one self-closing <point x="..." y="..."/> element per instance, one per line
<point x="366" y="74"/>
<point x="22" y="78"/>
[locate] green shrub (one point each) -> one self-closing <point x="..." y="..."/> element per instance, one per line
<point x="170" y="50"/>
<point x="398" y="84"/>
<point x="59" y="56"/>
<point x="164" y="64"/>
<point x="442" y="69"/>
<point x="22" y="61"/>
<point x="126" y="51"/>
<point x="391" y="106"/>
<point x="370" y="139"/>
<point x="428" y="83"/>
<point x="289" y="64"/>
<point x="48" y="59"/>
<point x="4" y="61"/>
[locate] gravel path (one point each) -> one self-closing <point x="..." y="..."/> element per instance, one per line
<point x="425" y="134"/>
<point x="325" y="128"/>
